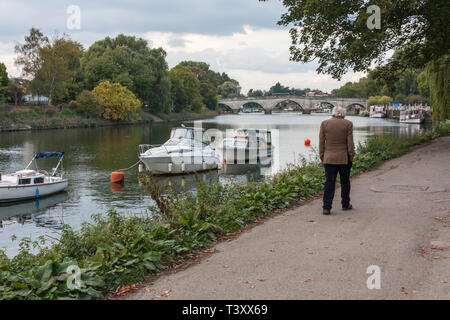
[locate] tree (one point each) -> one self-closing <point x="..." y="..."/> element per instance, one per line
<point x="129" y="61"/>
<point x="278" y="88"/>
<point x="117" y="101"/>
<point x="60" y="62"/>
<point x="51" y="64"/>
<point x="185" y="89"/>
<point x="29" y="55"/>
<point x="89" y="104"/>
<point x="229" y="89"/>
<point x="4" y="80"/>
<point x="15" y="91"/>
<point x="336" y="34"/>
<point x="209" y="94"/>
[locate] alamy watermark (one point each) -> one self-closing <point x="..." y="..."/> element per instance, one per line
<point x="374" y="280"/>
<point x="74" y="281"/>
<point x="74" y="18"/>
<point x="374" y="21"/>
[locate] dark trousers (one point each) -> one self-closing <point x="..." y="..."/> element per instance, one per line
<point x="331" y="171"/>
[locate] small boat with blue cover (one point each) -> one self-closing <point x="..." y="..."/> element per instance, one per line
<point x="30" y="184"/>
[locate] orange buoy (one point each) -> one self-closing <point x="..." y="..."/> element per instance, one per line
<point x="117" y="176"/>
<point x="224" y="162"/>
<point x="307" y="142"/>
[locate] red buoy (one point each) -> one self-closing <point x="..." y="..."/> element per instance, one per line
<point x="307" y="142"/>
<point x="117" y="177"/>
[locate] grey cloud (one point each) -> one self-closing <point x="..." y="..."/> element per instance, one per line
<point x="245" y="59"/>
<point x="136" y="16"/>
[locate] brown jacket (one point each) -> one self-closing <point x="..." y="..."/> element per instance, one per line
<point x="336" y="141"/>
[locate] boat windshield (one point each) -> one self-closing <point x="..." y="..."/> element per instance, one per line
<point x="181" y="133"/>
<point x="186" y="136"/>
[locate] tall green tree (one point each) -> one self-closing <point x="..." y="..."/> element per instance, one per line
<point x="336" y="34"/>
<point x="129" y="61"/>
<point x="4" y="80"/>
<point x="229" y="89"/>
<point x="60" y="62"/>
<point x="278" y="88"/>
<point x="29" y="53"/>
<point x="50" y="63"/>
<point x="185" y="89"/>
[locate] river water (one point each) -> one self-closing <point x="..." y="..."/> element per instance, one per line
<point x="92" y="154"/>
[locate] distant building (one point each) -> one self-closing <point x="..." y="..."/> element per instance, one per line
<point x="31" y="98"/>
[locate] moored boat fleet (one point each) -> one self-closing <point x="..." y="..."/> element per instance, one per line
<point x="190" y="150"/>
<point x="408" y="115"/>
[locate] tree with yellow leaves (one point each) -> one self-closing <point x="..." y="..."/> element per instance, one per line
<point x="118" y="103"/>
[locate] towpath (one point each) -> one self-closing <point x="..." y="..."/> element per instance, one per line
<point x="400" y="223"/>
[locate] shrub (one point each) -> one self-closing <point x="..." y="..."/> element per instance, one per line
<point x="73" y="105"/>
<point x="89" y="104"/>
<point x="117" y="101"/>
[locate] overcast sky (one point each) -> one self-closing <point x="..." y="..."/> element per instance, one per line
<point x="239" y="37"/>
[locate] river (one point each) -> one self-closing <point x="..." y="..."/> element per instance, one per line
<point x="92" y="154"/>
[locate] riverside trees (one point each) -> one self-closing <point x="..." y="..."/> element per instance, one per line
<point x="61" y="69"/>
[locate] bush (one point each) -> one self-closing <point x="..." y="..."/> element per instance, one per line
<point x="73" y="105"/>
<point x="89" y="104"/>
<point x="117" y="101"/>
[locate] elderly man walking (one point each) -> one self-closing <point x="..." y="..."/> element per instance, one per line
<point x="336" y="150"/>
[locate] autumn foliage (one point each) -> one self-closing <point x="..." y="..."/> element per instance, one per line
<point x="118" y="103"/>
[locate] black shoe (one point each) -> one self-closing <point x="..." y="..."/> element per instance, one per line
<point x="350" y="207"/>
<point x="326" y="212"/>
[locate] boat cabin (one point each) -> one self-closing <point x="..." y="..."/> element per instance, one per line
<point x="23" y="177"/>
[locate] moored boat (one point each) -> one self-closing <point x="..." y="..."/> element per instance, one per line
<point x="188" y="150"/>
<point x="248" y="146"/>
<point x="414" y="116"/>
<point x="378" y="112"/>
<point x="29" y="184"/>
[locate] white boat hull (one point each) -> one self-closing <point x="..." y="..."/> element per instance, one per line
<point x="179" y="165"/>
<point x="35" y="191"/>
<point x="242" y="156"/>
<point x="378" y="115"/>
<point x="412" y="121"/>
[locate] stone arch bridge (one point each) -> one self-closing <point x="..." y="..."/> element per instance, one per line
<point x="306" y="104"/>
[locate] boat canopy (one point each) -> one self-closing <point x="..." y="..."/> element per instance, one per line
<point x="48" y="155"/>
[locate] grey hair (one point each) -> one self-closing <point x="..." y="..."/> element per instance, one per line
<point x="338" y="112"/>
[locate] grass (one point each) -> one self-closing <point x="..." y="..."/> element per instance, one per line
<point x="49" y="118"/>
<point x="114" y="250"/>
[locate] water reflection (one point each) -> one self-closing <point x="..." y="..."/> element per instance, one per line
<point x="32" y="210"/>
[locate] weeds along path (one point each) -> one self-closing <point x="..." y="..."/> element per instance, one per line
<point x="400" y="223"/>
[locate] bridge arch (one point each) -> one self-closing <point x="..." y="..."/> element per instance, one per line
<point x="225" y="107"/>
<point x="298" y="106"/>
<point x="326" y="105"/>
<point x="355" y="108"/>
<point x="252" y="105"/>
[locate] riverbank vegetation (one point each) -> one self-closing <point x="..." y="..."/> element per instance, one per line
<point x="115" y="250"/>
<point x="114" y="79"/>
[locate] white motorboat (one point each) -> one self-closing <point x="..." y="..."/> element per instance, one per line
<point x="378" y="112"/>
<point x="252" y="146"/>
<point x="188" y="150"/>
<point x="414" y="116"/>
<point x="29" y="184"/>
